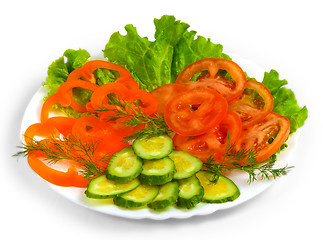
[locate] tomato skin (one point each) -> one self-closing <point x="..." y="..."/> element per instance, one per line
<point x="164" y="93"/>
<point x="194" y="112"/>
<point x="246" y="106"/>
<point x="212" y="143"/>
<point x="257" y="137"/>
<point x="229" y="90"/>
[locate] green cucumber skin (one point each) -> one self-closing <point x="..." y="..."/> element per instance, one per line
<point x="223" y="200"/>
<point x="114" y="177"/>
<point x="153" y="157"/>
<point x="139" y="153"/>
<point x="122" y="179"/>
<point x="99" y="196"/>
<point x="96" y="196"/>
<point x="163" y="204"/>
<point x="126" y="203"/>
<point x="180" y="176"/>
<point x="191" y="202"/>
<point x="156" y="179"/>
<point x="90" y="194"/>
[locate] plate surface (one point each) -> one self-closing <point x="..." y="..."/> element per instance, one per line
<point x="248" y="191"/>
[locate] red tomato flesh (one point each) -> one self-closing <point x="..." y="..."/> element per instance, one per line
<point x="212" y="143"/>
<point x="194" y="112"/>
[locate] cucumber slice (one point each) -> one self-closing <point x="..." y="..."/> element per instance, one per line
<point x="101" y="187"/>
<point x="224" y="190"/>
<point x="186" y="164"/>
<point x="153" y="148"/>
<point x="190" y="192"/>
<point x="138" y="197"/>
<point x="157" y="172"/>
<point x="124" y="166"/>
<point x="168" y="194"/>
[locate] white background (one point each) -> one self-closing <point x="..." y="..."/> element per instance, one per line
<point x="281" y="35"/>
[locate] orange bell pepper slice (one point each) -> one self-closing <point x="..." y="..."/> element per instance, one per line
<point x="93" y="130"/>
<point x="89" y="67"/>
<point x="147" y="102"/>
<point x="86" y="73"/>
<point x="71" y="178"/>
<point x="64" y="125"/>
<point x="64" y="97"/>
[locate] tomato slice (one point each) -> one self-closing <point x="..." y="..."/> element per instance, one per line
<point x="164" y="93"/>
<point x="196" y="111"/>
<point x="250" y="107"/>
<point x="212" y="143"/>
<point x="229" y="89"/>
<point x="265" y="137"/>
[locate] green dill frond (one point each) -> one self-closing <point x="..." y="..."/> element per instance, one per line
<point x="134" y="116"/>
<point x="245" y="160"/>
<point x="70" y="148"/>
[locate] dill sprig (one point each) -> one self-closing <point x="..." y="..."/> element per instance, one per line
<point x="245" y="160"/>
<point x="134" y="116"/>
<point x="70" y="148"/>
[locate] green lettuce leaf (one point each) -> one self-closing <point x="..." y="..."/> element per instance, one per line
<point x="158" y="62"/>
<point x="75" y="58"/>
<point x="104" y="76"/>
<point x="153" y="64"/>
<point x="59" y="70"/>
<point x="285" y="102"/>
<point x="58" y="73"/>
<point x="190" y="49"/>
<point x="149" y="62"/>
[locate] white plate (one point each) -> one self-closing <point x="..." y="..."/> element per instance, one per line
<point x="247" y="190"/>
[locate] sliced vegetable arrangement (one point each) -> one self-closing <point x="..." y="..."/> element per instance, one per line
<point x="159" y="123"/>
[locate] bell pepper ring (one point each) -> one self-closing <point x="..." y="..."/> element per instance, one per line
<point x="71" y="178"/>
<point x="64" y="97"/>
